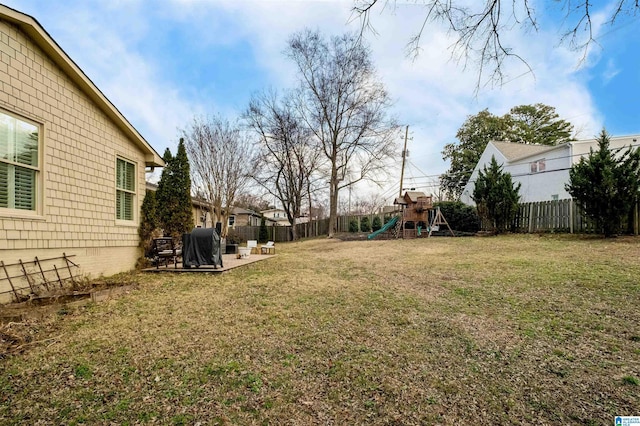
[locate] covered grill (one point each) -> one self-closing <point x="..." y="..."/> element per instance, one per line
<point x="201" y="247"/>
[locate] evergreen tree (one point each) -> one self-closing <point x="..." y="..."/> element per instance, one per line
<point x="376" y="224"/>
<point x="164" y="203"/>
<point x="264" y="232"/>
<point x="365" y="226"/>
<point x="148" y="221"/>
<point x="174" y="194"/>
<point x="496" y="197"/>
<point x="460" y="216"/>
<point x="183" y="217"/>
<point x="605" y="185"/>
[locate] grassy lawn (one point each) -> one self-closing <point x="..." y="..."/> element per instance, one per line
<point x="516" y="329"/>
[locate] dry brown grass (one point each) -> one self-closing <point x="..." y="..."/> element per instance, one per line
<point x="514" y="329"/>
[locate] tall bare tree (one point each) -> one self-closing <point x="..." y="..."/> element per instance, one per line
<point x="480" y="26"/>
<point x="288" y="157"/>
<point x="345" y="106"/>
<point x="220" y="155"/>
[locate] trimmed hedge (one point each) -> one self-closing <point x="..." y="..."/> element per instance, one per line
<point x="365" y="226"/>
<point x="461" y="217"/>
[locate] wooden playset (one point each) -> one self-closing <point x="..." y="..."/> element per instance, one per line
<point x="419" y="217"/>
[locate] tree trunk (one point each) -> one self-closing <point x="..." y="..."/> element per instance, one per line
<point x="333" y="207"/>
<point x="294" y="231"/>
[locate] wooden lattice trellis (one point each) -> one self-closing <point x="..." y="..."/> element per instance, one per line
<point x="39" y="275"/>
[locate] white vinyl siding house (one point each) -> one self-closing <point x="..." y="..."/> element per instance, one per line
<point x="541" y="170"/>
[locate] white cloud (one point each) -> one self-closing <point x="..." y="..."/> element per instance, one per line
<point x="433" y="94"/>
<point x="610" y="71"/>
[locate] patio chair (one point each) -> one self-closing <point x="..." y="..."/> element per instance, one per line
<point x="253" y="245"/>
<point x="165" y="250"/>
<point x="268" y="248"/>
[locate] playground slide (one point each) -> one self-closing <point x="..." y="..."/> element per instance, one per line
<point x="386" y="227"/>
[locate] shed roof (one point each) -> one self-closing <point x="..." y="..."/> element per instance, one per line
<point x="42" y="39"/>
<point x="399" y="200"/>
<point x="414" y="195"/>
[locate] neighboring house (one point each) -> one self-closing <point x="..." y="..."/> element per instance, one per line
<point x="199" y="209"/>
<point x="244" y="217"/>
<point x="72" y="168"/>
<point x="238" y="217"/>
<point x="277" y="216"/>
<point x="202" y="216"/>
<point x="541" y="170"/>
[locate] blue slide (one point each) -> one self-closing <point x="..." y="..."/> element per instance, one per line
<point x="386" y="227"/>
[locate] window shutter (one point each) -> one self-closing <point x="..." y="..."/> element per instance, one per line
<point x="119" y="214"/>
<point x="25" y="188"/>
<point x="128" y="206"/>
<point x="4" y="185"/>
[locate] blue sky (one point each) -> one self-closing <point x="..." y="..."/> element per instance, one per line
<point x="163" y="61"/>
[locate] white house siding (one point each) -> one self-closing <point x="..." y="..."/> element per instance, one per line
<point x="79" y="147"/>
<point x="485" y="159"/>
<point x="549" y="184"/>
<point x="545" y="185"/>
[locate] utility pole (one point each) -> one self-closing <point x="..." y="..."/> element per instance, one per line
<point x="404" y="156"/>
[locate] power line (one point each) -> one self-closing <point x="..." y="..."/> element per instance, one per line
<point x="564" y="156"/>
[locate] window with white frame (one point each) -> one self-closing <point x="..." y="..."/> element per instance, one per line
<point x="232" y="220"/>
<point x="538" y="166"/>
<point x="125" y="189"/>
<point x="19" y="163"/>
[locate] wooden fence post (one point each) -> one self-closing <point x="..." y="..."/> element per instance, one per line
<point x="530" y="218"/>
<point x="571" y="212"/>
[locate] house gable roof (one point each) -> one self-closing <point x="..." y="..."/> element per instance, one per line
<point x="241" y="211"/>
<point x="514" y="151"/>
<point x="31" y="27"/>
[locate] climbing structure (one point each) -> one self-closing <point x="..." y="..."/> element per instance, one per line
<point x="417" y="210"/>
<point x="415" y="213"/>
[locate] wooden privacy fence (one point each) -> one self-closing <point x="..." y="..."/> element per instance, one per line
<point x="343" y="221"/>
<point x="544" y="216"/>
<point x="557" y="216"/>
<point x="280" y="234"/>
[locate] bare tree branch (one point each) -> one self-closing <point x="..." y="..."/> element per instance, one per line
<point x="220" y="159"/>
<point x="479" y="28"/>
<point x="344" y="106"/>
<point x="288" y="158"/>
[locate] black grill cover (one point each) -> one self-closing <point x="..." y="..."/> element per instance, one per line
<point x="201" y="247"/>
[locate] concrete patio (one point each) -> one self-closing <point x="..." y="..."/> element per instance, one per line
<point x="230" y="261"/>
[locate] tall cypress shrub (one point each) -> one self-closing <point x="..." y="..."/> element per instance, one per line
<point x="263" y="236"/>
<point x="496" y="196"/>
<point x="164" y="199"/>
<point x="173" y="197"/>
<point x="149" y="223"/>
<point x="605" y="185"/>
